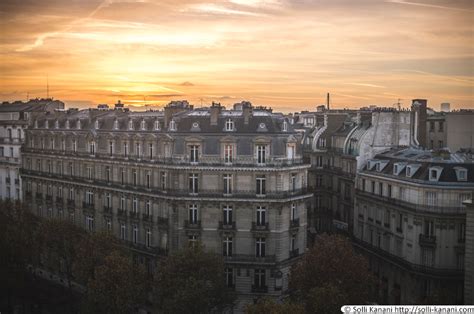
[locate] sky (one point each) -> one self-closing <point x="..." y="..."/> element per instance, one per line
<point x="280" y="53"/>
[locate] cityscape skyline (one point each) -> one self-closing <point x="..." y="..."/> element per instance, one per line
<point x="279" y="53"/>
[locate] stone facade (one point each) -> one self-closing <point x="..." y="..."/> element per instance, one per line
<point x="469" y="259"/>
<point x="410" y="222"/>
<point x="161" y="180"/>
<point x="14" y="119"/>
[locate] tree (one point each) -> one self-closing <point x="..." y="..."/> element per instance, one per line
<point x="192" y="281"/>
<point x="60" y="240"/>
<point x="18" y="246"/>
<point x="117" y="286"/>
<point x="330" y="275"/>
<point x="91" y="253"/>
<point x="268" y="305"/>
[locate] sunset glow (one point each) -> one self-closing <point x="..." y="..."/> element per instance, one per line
<point x="282" y="53"/>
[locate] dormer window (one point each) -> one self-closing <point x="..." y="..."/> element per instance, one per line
<point x="398" y="167"/>
<point x="461" y="173"/>
<point x="435" y="173"/>
<point x="157" y="125"/>
<point x="56" y="124"/>
<point x="143" y="125"/>
<point x="116" y="124"/>
<point x="285" y="126"/>
<point x="411" y="170"/>
<point x="172" y="125"/>
<point x="229" y="125"/>
<point x="371" y="164"/>
<point x="379" y="166"/>
<point x="130" y="124"/>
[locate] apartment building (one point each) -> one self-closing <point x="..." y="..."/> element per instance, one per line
<point x="337" y="147"/>
<point x="161" y="180"/>
<point x="409" y="220"/>
<point x="14" y="119"/>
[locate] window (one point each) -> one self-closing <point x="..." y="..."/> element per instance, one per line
<point x="135" y="234"/>
<point x="116" y="124"/>
<point x="285" y="126"/>
<point x="71" y="169"/>
<point x="108" y="200"/>
<point x="193" y="183"/>
<point x="111" y="148"/>
<point x="9" y="133"/>
<point x="157" y="125"/>
<point x="261" y="154"/>
<point x="108" y="223"/>
<point x="227" y="215"/>
<point x="229" y="125"/>
<point x="227" y="246"/>
<point x="148" y="208"/>
<point x="19" y="133"/>
<point x="71" y="194"/>
<point x="427" y="257"/>
<point x="107" y="173"/>
<point x="194" y="153"/>
<point x="428" y="228"/>
<point x="440" y="144"/>
<point x="387" y="218"/>
<point x="192" y="240"/>
<point x="261" y="216"/>
<point x="2" y="151"/>
<point x="97" y="124"/>
<point x="130" y="124"/>
<point x="123" y="203"/>
<point x="319" y="161"/>
<point x="135" y="205"/>
<point x="440" y="126"/>
<point x="293" y="182"/>
<point x="89" y="173"/>
<point x="137" y="150"/>
<point x="380" y="188"/>
<point x="293" y="242"/>
<point x="150" y="150"/>
<point x="389" y="190"/>
<point x="193" y="214"/>
<point x="89" y="223"/>
<point x="322" y="142"/>
<point x="228" y="153"/>
<point x="294" y="212"/>
<point x="461" y="232"/>
<point x="229" y="277"/>
<point x="259" y="278"/>
<point x="400" y="223"/>
<point x="464" y="197"/>
<point x="125" y="149"/>
<point x="319" y="180"/>
<point x="74" y="145"/>
<point x="227" y="184"/>
<point x="432" y="198"/>
<point x="148" y="179"/>
<point x="135" y="177"/>
<point x="172" y="125"/>
<point x="123" y="232"/>
<point x="432" y="126"/>
<point x="260" y="185"/>
<point x="143" y="125"/>
<point x="148" y="238"/>
<point x="260" y="247"/>
<point x="163" y="180"/>
<point x="89" y="197"/>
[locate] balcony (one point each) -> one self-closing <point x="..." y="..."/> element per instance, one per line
<point x="260" y="227"/>
<point x="193" y="225"/>
<point x="294" y="253"/>
<point x="427" y="240"/>
<point x="250" y="259"/>
<point x="162" y="220"/>
<point x="134" y="215"/>
<point x="122" y="213"/>
<point x="71" y="203"/>
<point x="86" y="205"/>
<point x="295" y="223"/>
<point x="227" y="225"/>
<point x="147" y="217"/>
<point x="259" y="289"/>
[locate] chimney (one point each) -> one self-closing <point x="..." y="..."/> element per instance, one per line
<point x="419" y="115"/>
<point x="216" y="109"/>
<point x="247" y="111"/>
<point x="174" y="107"/>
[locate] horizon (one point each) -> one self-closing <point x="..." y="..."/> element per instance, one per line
<point x="277" y="53"/>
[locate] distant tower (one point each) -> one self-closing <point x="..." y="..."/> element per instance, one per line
<point x="327" y="101"/>
<point x="445" y="107"/>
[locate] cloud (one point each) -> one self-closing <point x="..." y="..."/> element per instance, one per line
<point x="428" y="5"/>
<point x="187" y="83"/>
